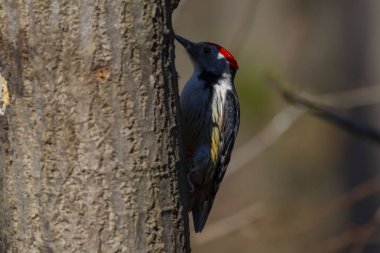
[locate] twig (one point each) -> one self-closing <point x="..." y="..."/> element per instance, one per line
<point x="285" y="119"/>
<point x="351" y="125"/>
<point x="363" y="96"/>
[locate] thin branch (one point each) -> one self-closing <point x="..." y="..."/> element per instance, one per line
<point x="354" y="98"/>
<point x="287" y="117"/>
<point x="349" y="124"/>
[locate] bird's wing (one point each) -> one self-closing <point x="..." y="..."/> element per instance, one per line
<point x="230" y="127"/>
<point x="226" y="138"/>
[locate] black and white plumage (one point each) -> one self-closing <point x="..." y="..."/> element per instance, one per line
<point x="210" y="120"/>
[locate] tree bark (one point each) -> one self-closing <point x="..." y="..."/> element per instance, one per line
<point x="89" y="149"/>
<point x="361" y="163"/>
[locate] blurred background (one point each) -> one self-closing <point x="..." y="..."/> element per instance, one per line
<point x="296" y="183"/>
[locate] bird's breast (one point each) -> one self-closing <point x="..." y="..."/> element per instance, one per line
<point x="196" y="114"/>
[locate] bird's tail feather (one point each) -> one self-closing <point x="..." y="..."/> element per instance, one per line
<point x="200" y="211"/>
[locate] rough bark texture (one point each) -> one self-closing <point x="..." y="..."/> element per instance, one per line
<point x="89" y="143"/>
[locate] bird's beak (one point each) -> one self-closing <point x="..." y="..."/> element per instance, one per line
<point x="187" y="44"/>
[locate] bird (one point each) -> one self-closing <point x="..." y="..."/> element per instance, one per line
<point x="210" y="118"/>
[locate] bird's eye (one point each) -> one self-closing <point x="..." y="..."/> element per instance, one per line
<point x="206" y="50"/>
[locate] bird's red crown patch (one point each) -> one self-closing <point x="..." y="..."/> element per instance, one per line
<point x="231" y="60"/>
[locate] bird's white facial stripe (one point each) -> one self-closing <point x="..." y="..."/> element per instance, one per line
<point x="220" y="56"/>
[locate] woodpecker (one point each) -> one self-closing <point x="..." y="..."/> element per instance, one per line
<point x="210" y="119"/>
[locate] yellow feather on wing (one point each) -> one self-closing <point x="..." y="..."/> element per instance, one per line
<point x="215" y="145"/>
<point x="215" y="134"/>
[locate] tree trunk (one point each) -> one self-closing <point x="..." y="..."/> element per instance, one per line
<point x="361" y="162"/>
<point x="89" y="143"/>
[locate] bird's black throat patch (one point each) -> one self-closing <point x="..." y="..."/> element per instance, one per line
<point x="209" y="77"/>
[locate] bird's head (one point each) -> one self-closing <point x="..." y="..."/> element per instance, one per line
<point x="209" y="57"/>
